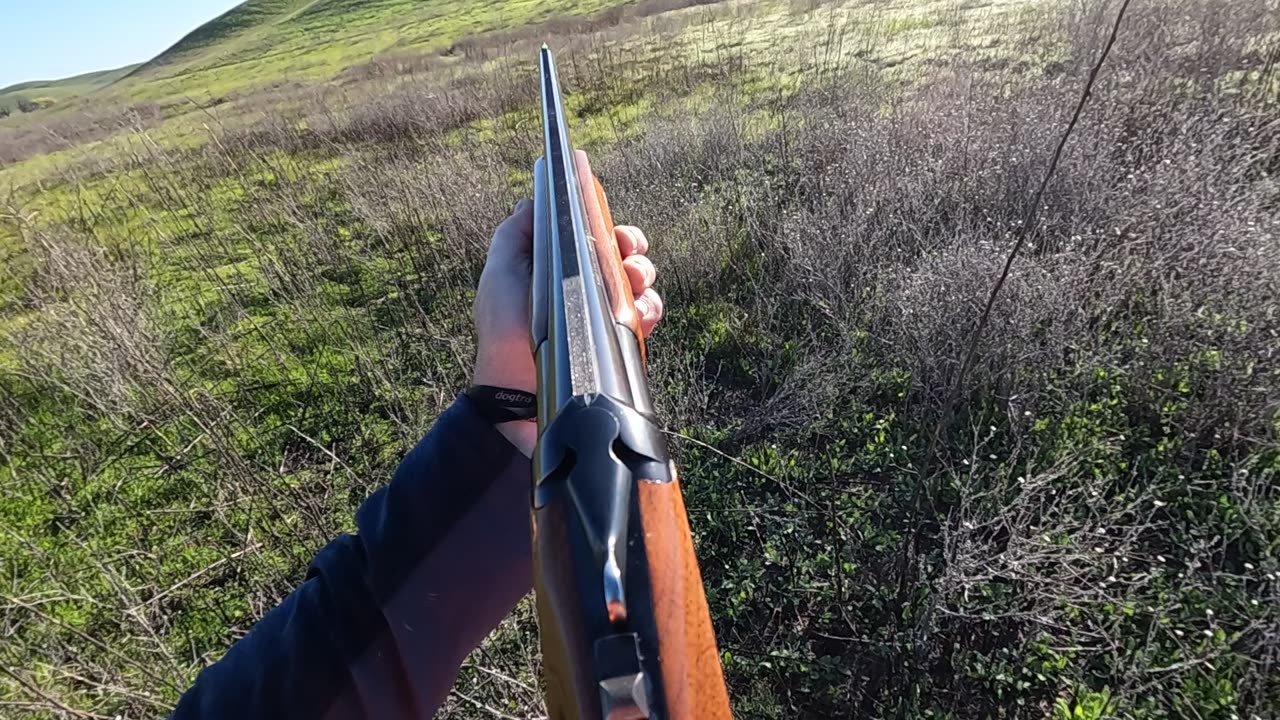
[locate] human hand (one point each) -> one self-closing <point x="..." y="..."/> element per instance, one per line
<point x="502" y="314"/>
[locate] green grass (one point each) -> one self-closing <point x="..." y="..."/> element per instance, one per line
<point x="265" y="40"/>
<point x="261" y="44"/>
<point x="64" y="89"/>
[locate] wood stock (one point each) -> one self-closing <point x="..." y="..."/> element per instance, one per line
<point x="691" y="673"/>
<point x="692" y="678"/>
<point x="600" y="225"/>
<point x="674" y="650"/>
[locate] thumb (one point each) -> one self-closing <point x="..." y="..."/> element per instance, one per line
<point x="513" y="240"/>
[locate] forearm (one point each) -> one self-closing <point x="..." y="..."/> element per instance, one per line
<point x="386" y="617"/>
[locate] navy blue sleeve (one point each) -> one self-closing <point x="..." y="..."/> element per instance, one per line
<point x="384" y="619"/>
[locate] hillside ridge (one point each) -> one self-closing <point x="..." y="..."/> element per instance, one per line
<point x="91" y="76"/>
<point x="63" y="88"/>
<point x="238" y="20"/>
<point x="310" y="41"/>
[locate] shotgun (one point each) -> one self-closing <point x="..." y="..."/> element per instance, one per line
<point x="625" y="629"/>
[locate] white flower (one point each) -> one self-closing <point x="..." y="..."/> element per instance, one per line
<point x="1026" y="413"/>
<point x="1248" y="566"/>
<point x="992" y="456"/>
<point x="1160" y="503"/>
<point x="1208" y="612"/>
<point x="1207" y="633"/>
<point x="1160" y="558"/>
<point x="1179" y="633"/>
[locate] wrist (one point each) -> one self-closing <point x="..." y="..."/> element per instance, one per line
<point x="502" y="404"/>
<point x="505" y="365"/>
<point x="509" y="366"/>
<point x="521" y="432"/>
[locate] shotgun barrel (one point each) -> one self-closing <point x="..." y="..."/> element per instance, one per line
<point x="623" y="619"/>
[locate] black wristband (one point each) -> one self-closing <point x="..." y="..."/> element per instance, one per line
<point x="499" y="405"/>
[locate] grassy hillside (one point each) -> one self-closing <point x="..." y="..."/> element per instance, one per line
<point x="265" y="41"/>
<point x="244" y="18"/>
<point x="262" y="47"/>
<point x="63" y="89"/>
<point x="262" y="42"/>
<point x="235" y="291"/>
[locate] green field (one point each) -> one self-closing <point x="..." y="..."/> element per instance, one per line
<point x="235" y="287"/>
<point x="60" y="90"/>
<point x="63" y="89"/>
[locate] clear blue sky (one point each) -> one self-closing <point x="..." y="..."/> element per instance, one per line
<point x="51" y="39"/>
